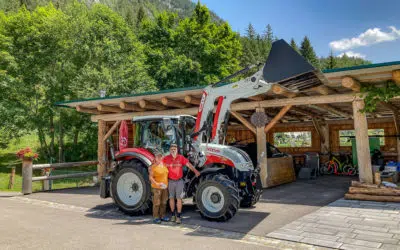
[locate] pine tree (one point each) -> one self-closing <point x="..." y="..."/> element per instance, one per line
<point x="294" y="45"/>
<point x="141" y="15"/>
<point x="269" y="35"/>
<point x="251" y="32"/>
<point x="331" y="61"/>
<point x="307" y="51"/>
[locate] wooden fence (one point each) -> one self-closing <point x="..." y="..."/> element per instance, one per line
<point x="28" y="167"/>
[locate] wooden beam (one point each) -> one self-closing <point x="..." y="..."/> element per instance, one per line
<point x="281" y="114"/>
<point x="279" y="90"/>
<point x="362" y="142"/>
<point x="105" y="108"/>
<point x="192" y="100"/>
<point x="256" y="98"/>
<point x="389" y="106"/>
<point x="351" y="83"/>
<point x="261" y="138"/>
<point x="172" y="103"/>
<point x="112" y="129"/>
<point x="335" y="111"/>
<point x="130" y="106"/>
<point x="303" y="112"/>
<point x="244" y="121"/>
<point x="151" y="105"/>
<point x="375" y="191"/>
<point x="88" y="110"/>
<point x="323" y="90"/>
<point x="396" y="77"/>
<point x="129" y="115"/>
<point x="366" y="197"/>
<point x="306" y="100"/>
<point x="101" y="149"/>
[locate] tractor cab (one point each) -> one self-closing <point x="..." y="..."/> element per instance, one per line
<point x="158" y="132"/>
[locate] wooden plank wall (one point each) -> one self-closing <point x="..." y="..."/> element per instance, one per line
<point x="389" y="150"/>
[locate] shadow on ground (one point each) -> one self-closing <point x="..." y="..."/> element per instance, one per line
<point x="277" y="207"/>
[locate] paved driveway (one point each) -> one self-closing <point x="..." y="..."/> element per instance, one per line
<point x="278" y="206"/>
<point x="347" y="224"/>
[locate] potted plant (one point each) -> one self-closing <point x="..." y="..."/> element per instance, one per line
<point x="27" y="154"/>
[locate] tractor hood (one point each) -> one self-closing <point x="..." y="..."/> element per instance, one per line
<point x="227" y="155"/>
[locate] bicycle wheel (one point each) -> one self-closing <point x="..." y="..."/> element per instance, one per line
<point x="330" y="168"/>
<point x="349" y="170"/>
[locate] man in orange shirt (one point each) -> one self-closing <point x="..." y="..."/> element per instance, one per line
<point x="158" y="175"/>
<point x="175" y="163"/>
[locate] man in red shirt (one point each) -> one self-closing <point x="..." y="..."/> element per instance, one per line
<point x="175" y="163"/>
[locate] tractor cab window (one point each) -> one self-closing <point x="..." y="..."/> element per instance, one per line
<point x="189" y="126"/>
<point x="157" y="134"/>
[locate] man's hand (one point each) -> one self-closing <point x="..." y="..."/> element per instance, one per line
<point x="195" y="171"/>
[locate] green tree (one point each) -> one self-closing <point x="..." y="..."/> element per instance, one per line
<point x="294" y="45"/>
<point x="190" y="51"/>
<point x="251" y="32"/>
<point x="307" y="51"/>
<point x="331" y="61"/>
<point x="141" y="15"/>
<point x="51" y="55"/>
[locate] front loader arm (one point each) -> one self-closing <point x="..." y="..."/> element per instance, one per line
<point x="225" y="95"/>
<point x="284" y="66"/>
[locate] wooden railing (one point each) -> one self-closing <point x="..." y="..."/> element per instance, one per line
<point x="28" y="167"/>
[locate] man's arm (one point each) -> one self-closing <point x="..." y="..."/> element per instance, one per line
<point x="191" y="167"/>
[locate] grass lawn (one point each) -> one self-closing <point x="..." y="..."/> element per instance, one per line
<point x="8" y="159"/>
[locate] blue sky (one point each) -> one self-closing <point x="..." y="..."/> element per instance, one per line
<point x="365" y="24"/>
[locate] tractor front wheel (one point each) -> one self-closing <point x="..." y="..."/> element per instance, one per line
<point x="131" y="190"/>
<point x="217" y="198"/>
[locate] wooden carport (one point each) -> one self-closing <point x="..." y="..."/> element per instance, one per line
<point x="336" y="103"/>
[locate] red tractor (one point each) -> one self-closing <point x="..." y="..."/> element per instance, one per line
<point x="228" y="177"/>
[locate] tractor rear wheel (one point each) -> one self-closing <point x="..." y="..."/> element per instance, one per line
<point x="217" y="198"/>
<point x="131" y="189"/>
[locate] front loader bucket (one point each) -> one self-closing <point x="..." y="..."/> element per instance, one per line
<point x="288" y="68"/>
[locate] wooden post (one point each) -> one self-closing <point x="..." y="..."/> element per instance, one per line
<point x="46" y="183"/>
<point x="396" y="119"/>
<point x="101" y="150"/>
<point x="262" y="152"/>
<point x="362" y="141"/>
<point x="396" y="77"/>
<point x="27" y="176"/>
<point x="12" y="178"/>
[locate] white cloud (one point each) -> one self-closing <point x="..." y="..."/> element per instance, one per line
<point x="370" y="36"/>
<point x="352" y="54"/>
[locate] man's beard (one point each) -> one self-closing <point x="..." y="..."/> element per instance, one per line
<point x="174" y="154"/>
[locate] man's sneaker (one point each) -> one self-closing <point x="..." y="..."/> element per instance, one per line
<point x="178" y="220"/>
<point x="173" y="218"/>
<point x="165" y="218"/>
<point x="157" y="221"/>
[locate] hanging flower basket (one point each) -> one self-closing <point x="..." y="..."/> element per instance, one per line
<point x="27" y="154"/>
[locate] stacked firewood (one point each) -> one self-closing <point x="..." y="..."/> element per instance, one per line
<point x="372" y="192"/>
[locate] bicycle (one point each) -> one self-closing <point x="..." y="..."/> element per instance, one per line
<point x="337" y="167"/>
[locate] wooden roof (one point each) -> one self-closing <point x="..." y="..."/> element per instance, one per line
<point x="331" y="101"/>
